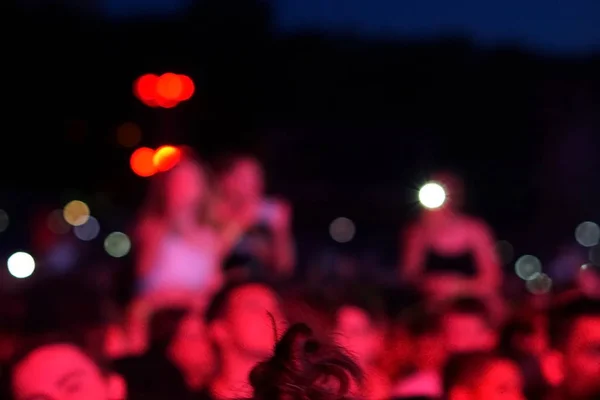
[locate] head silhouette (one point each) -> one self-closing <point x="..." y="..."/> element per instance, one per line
<point x="304" y="368"/>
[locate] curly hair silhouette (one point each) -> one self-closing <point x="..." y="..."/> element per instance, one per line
<point x="302" y="368"/>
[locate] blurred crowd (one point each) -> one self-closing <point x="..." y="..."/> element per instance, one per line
<point x="218" y="312"/>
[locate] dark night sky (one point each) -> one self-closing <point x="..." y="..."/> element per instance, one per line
<point x="551" y="25"/>
<point x="555" y="26"/>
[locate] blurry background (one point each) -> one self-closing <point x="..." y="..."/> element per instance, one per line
<point x="349" y="104"/>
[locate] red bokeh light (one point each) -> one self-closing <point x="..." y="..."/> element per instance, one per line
<point x="145" y="89"/>
<point x="165" y="91"/>
<point x="166" y="157"/>
<point x="165" y="103"/>
<point x="188" y="87"/>
<point x="169" y="86"/>
<point x="142" y="162"/>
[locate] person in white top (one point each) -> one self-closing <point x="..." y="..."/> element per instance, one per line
<point x="178" y="250"/>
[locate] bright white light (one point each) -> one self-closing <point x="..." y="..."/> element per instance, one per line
<point x="432" y="195"/>
<point x="21" y="265"/>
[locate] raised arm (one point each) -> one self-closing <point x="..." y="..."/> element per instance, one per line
<point x="412" y="243"/>
<point x="284" y="250"/>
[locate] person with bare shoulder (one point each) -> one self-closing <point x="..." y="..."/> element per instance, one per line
<point x="448" y="253"/>
<point x="178" y="249"/>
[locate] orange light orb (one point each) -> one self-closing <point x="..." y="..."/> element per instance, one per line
<point x="145" y="89"/>
<point x="166" y="157"/>
<point x="188" y="88"/>
<point x="169" y="86"/>
<point x="142" y="163"/>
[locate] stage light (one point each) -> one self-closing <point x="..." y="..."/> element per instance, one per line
<point x="76" y="213"/>
<point x="88" y="231"/>
<point x="188" y="88"/>
<point x="141" y="162"/>
<point x="169" y="86"/>
<point x="432" y="195"/>
<point x="117" y="244"/>
<point x="166" y="103"/>
<point x="166" y="157"/>
<point x="144" y="89"/>
<point x="21" y="265"/>
<point x="165" y="91"/>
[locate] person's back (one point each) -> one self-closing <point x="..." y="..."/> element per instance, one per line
<point x="358" y="324"/>
<point x="178" y="362"/>
<point x="151" y="377"/>
<point x="467" y="326"/>
<point x="428" y="358"/>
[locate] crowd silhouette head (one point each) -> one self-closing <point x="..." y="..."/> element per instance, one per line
<point x="304" y="368"/>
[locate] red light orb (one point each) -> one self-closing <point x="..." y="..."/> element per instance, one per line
<point x="169" y="86"/>
<point x="188" y="88"/>
<point x="164" y="91"/>
<point x="142" y="163"/>
<point x="145" y="89"/>
<point x="166" y="103"/>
